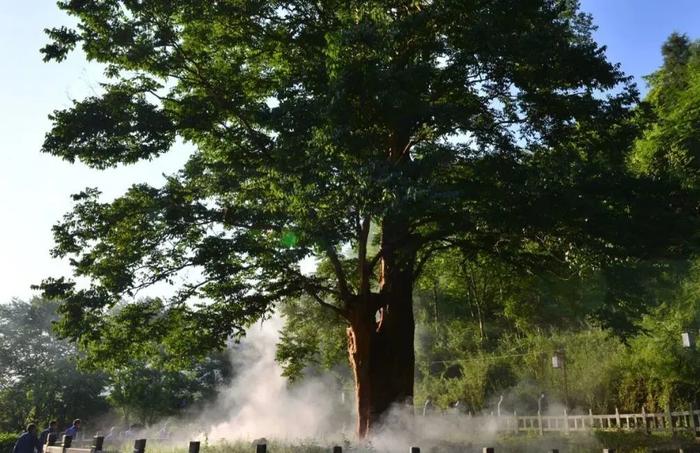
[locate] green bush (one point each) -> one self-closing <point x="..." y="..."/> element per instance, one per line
<point x="7" y="442"/>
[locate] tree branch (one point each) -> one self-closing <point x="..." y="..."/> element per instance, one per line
<point x="325" y="304"/>
<point x="363" y="270"/>
<point x="339" y="273"/>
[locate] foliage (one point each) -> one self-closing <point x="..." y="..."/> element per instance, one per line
<point x="147" y="394"/>
<point x="671" y="115"/>
<point x="661" y="369"/>
<point x="311" y="336"/>
<point x="40" y="379"/>
<point x="7" y="441"/>
<point x="520" y="369"/>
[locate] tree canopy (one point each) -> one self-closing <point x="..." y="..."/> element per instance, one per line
<point x="495" y="126"/>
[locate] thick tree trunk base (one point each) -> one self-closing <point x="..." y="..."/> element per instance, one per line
<point x="381" y="351"/>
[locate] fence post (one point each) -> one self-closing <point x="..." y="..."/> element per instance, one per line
<point x="139" y="445"/>
<point x="566" y="422"/>
<point x="98" y="442"/>
<point x="590" y="418"/>
<point x="261" y="448"/>
<point x="669" y="417"/>
<point x="415" y="450"/>
<point x="539" y="423"/>
<point x="691" y="412"/>
<point x="337" y="449"/>
<point x="489" y="450"/>
<point x="516" y="427"/>
<point x="645" y="417"/>
<point x="194" y="447"/>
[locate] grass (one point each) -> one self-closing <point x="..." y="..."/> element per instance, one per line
<point x="622" y="442"/>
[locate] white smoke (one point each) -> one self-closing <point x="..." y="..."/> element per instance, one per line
<point x="260" y="402"/>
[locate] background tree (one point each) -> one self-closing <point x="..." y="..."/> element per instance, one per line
<point x="146" y="394"/>
<point x="40" y="380"/>
<point x="670" y="115"/>
<point x="488" y="125"/>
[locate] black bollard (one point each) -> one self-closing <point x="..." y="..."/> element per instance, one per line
<point x="337" y="449"/>
<point x="261" y="448"/>
<point x="66" y="442"/>
<point x="139" y="445"/>
<point x="194" y="447"/>
<point x="415" y="449"/>
<point x="97" y="443"/>
<point x="489" y="450"/>
<point x="51" y="439"/>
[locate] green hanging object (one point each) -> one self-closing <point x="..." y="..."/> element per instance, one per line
<point x="289" y="239"/>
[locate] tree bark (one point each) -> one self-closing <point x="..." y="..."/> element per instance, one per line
<point x="380" y="339"/>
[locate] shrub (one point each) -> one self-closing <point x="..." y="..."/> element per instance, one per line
<point x="7" y="442"/>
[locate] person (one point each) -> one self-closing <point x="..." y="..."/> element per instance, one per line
<point x="74" y="429"/>
<point x="43" y="437"/>
<point x="27" y="442"/>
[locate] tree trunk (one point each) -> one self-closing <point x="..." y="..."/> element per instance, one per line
<point x="380" y="342"/>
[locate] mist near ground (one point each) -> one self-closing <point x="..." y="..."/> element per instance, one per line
<point x="260" y="403"/>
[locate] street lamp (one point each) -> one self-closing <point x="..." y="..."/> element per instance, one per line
<point x="559" y="362"/>
<point x="688" y="339"/>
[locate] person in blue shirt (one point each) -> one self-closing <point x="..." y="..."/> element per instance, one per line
<point x="45" y="433"/>
<point x="74" y="429"/>
<point x="28" y="442"/>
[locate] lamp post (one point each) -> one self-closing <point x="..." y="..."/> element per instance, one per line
<point x="559" y="362"/>
<point x="688" y="339"/>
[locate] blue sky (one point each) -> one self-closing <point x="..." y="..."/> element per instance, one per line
<point x="35" y="188"/>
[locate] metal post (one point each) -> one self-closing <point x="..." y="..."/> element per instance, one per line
<point x="539" y="414"/>
<point x="566" y="385"/>
<point x="194" y="447"/>
<point x="337" y="449"/>
<point x="98" y="442"/>
<point x="139" y="445"/>
<point x="415" y="450"/>
<point x="693" y="423"/>
<point x="489" y="450"/>
<point x="261" y="448"/>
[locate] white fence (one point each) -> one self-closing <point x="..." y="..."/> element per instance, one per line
<point x="661" y="421"/>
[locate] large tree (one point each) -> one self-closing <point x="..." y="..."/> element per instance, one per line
<point x="494" y="125"/>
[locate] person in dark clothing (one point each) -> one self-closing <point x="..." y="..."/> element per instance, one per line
<point x="45" y="433"/>
<point x="28" y="442"/>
